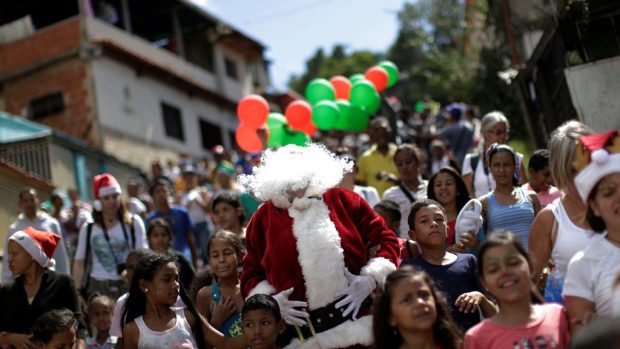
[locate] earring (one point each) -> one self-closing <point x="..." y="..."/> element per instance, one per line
<point x="146" y="290"/>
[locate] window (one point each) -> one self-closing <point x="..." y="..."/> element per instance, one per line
<point x="172" y="121"/>
<point x="49" y="104"/>
<point x="210" y="133"/>
<point x="231" y="68"/>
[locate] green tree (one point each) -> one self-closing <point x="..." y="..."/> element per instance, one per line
<point x="338" y="63"/>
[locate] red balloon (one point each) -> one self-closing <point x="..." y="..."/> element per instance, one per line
<point x="342" y="86"/>
<point x="378" y="76"/>
<point x="298" y="113"/>
<point x="309" y="129"/>
<point x="253" y="111"/>
<point x="248" y="139"/>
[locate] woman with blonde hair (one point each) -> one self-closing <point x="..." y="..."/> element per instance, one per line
<point x="560" y="230"/>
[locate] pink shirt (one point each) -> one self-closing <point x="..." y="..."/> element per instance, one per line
<point x="550" y="330"/>
<point x="545" y="197"/>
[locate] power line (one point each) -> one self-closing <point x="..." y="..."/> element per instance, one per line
<point x="284" y="13"/>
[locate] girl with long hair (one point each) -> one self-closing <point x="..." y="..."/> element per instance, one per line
<point x="447" y="187"/>
<point x="150" y="319"/>
<point x="410" y="312"/>
<point x="103" y="245"/>
<point x="522" y="321"/>
<point x="221" y="302"/>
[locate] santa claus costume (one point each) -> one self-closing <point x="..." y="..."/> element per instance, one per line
<point x="307" y="245"/>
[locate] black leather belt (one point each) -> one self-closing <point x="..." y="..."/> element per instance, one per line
<point x="321" y="320"/>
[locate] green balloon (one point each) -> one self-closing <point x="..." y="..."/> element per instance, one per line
<point x="355" y="77"/>
<point x="364" y="95"/>
<point x="359" y="119"/>
<point x="276" y="123"/>
<point x="420" y="106"/>
<point x="325" y="115"/>
<point x="392" y="71"/>
<point x="344" y="121"/>
<point x="296" y="137"/>
<point x="373" y="107"/>
<point x="319" y="90"/>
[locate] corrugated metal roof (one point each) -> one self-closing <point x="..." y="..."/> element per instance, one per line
<point x="14" y="128"/>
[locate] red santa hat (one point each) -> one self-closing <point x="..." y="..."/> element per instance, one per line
<point x="39" y="244"/>
<point x="598" y="155"/>
<point x="104" y="184"/>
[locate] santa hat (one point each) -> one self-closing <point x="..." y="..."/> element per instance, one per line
<point x="104" y="184"/>
<point x="39" y="244"/>
<point x="597" y="156"/>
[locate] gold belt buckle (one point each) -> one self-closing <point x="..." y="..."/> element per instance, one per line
<point x="301" y="335"/>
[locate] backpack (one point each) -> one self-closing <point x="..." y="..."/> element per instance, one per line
<point x="474" y="160"/>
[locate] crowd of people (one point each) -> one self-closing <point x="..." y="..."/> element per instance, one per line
<point x="434" y="235"/>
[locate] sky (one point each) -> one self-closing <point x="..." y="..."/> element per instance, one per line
<point x="292" y="30"/>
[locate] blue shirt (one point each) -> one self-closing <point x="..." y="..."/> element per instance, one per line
<point x="453" y="279"/>
<point x="516" y="218"/>
<point x="179" y="220"/>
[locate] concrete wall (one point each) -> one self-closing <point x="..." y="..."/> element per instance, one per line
<point x="594" y="90"/>
<point x="129" y="106"/>
<point x="61" y="163"/>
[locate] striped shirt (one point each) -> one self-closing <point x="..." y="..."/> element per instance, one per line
<point x="516" y="218"/>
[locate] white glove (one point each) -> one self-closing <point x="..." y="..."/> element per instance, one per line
<point x="469" y="219"/>
<point x="291" y="315"/>
<point x="360" y="287"/>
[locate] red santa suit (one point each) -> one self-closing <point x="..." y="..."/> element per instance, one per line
<point x="310" y="248"/>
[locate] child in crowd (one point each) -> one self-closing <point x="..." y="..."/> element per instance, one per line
<point x="130" y="263"/>
<point x="159" y="236"/>
<point x="55" y="329"/>
<point x="228" y="213"/>
<point x="390" y="212"/>
<point x="410" y="312"/>
<point x="455" y="274"/>
<point x="541" y="181"/>
<point x="100" y="312"/>
<point x="150" y="318"/>
<point x="447" y="187"/>
<point x="262" y="321"/>
<point x="505" y="270"/>
<point x="221" y="302"/>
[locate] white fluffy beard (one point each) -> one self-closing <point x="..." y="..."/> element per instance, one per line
<point x="320" y="253"/>
<point x="291" y="168"/>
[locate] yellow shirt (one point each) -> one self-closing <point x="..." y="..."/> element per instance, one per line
<point x="371" y="162"/>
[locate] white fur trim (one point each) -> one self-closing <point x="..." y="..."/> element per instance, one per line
<point x="32" y="247"/>
<point x="341" y="336"/>
<point x="97" y="205"/>
<point x="263" y="287"/>
<point x="593" y="173"/>
<point x="378" y="268"/>
<point x="320" y="253"/>
<point x="112" y="189"/>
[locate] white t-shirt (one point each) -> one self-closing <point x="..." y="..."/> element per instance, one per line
<point x="192" y="200"/>
<point x="396" y="194"/>
<point x="369" y="194"/>
<point x="591" y="274"/>
<point x="136" y="206"/>
<point x="483" y="183"/>
<point x="105" y="256"/>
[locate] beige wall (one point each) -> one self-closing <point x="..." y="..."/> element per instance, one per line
<point x="61" y="163"/>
